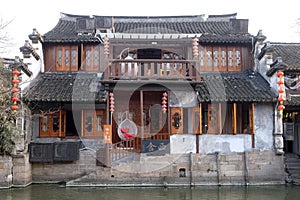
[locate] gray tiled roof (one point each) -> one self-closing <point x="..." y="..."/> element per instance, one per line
<point x="293" y="100"/>
<point x="247" y="86"/>
<point x="65" y="87"/>
<point x="213" y="29"/>
<point x="290" y="54"/>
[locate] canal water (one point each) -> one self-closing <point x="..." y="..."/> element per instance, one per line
<point x="57" y="192"/>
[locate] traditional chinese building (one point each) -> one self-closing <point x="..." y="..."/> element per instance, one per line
<point x="162" y="97"/>
<point x="279" y="63"/>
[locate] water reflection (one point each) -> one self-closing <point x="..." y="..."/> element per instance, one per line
<point x="55" y="192"/>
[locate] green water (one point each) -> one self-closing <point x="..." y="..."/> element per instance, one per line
<point x="53" y="192"/>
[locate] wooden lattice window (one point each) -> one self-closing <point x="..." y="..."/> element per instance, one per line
<point x="53" y="124"/>
<point x="66" y="58"/>
<point x="91" y="60"/>
<point x="92" y="123"/>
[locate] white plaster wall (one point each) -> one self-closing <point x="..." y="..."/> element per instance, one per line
<point x="184" y="143"/>
<point x="224" y="143"/>
<point x="263" y="135"/>
<point x="263" y="126"/>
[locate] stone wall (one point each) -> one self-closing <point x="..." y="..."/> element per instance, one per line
<point x="21" y="170"/>
<point x="5" y="171"/>
<point x="248" y="168"/>
<point x="64" y="171"/>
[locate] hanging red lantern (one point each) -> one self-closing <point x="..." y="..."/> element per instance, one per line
<point x="164" y="102"/>
<point x="280" y="73"/>
<point x="15" y="90"/>
<point x="15" y="100"/>
<point x="195" y="47"/>
<point x="15" y="81"/>
<point x="280" y="99"/>
<point x="280" y="90"/>
<point x="106" y="46"/>
<point x="111" y="102"/>
<point x="15" y="108"/>
<point x="280" y="82"/>
<point x="281" y="107"/>
<point x="16" y="73"/>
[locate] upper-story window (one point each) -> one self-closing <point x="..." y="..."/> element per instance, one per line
<point x="91" y="58"/>
<point x="220" y="58"/>
<point x="66" y="58"/>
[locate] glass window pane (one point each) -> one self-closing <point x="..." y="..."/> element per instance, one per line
<point x="55" y="123"/>
<point x="67" y="58"/>
<point x="74" y="58"/>
<point x="89" y="123"/>
<point x="99" y="119"/>
<point x="59" y="57"/>
<point x="45" y="123"/>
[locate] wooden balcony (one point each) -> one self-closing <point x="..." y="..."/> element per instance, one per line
<point x="152" y="69"/>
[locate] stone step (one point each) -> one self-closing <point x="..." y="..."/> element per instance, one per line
<point x="292" y="160"/>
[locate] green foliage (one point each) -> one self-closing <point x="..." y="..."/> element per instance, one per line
<point x="8" y="128"/>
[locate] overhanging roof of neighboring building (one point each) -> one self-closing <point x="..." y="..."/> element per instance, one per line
<point x="247" y="86"/>
<point x="289" y="53"/>
<point x="215" y="29"/>
<point x="293" y="100"/>
<point x="66" y="87"/>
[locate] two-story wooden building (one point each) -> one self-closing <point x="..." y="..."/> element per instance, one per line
<point x="158" y="85"/>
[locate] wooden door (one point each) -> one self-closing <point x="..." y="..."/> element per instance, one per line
<point x="213" y="116"/>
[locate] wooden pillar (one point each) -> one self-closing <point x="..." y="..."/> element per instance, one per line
<point x="220" y="117"/>
<point x="251" y="118"/>
<point x="82" y="122"/>
<point x="142" y="113"/>
<point x="200" y="118"/>
<point x="234" y="119"/>
<point x="107" y="110"/>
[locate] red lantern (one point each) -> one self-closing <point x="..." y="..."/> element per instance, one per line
<point x="281" y="107"/>
<point x="15" y="90"/>
<point x="280" y="99"/>
<point x="280" y="82"/>
<point x="111" y="102"/>
<point x="15" y="108"/>
<point x="280" y="74"/>
<point x="15" y="82"/>
<point x="15" y="100"/>
<point x="16" y="73"/>
<point x="164" y="102"/>
<point x="195" y="47"/>
<point x="280" y="90"/>
<point x="106" y="46"/>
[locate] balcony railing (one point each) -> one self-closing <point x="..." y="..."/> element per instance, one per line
<point x="152" y="69"/>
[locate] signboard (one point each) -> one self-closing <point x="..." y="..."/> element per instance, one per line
<point x="156" y="147"/>
<point x="107" y="132"/>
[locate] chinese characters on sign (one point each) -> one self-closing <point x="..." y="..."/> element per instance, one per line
<point x="155" y="147"/>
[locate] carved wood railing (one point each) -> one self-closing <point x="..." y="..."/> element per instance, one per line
<point x="152" y="69"/>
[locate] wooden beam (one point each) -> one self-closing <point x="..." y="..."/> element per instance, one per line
<point x="234" y="119"/>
